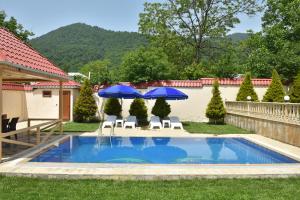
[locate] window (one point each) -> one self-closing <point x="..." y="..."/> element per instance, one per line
<point x="47" y="93"/>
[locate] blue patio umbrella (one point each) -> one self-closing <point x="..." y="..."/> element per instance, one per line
<point x="120" y="91"/>
<point x="168" y="93"/>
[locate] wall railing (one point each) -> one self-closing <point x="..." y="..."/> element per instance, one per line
<point x="283" y="112"/>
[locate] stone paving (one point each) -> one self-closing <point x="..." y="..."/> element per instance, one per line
<point x="21" y="167"/>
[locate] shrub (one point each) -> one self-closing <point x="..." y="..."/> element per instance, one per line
<point x="275" y="92"/>
<point x="139" y="109"/>
<point x="295" y="90"/>
<point x="113" y="107"/>
<point x="85" y="107"/>
<point x="215" y="110"/>
<point x="246" y="90"/>
<point x="161" y="108"/>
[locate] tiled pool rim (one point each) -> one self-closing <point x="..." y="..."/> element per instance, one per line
<point x="20" y="166"/>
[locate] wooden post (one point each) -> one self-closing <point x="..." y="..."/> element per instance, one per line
<point x="1" y="111"/>
<point x="38" y="135"/>
<point x="28" y="125"/>
<point x="61" y="106"/>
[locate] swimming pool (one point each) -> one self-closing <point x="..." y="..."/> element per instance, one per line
<point x="161" y="150"/>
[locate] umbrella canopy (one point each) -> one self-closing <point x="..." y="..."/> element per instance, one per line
<point x="166" y="92"/>
<point x="120" y="91"/>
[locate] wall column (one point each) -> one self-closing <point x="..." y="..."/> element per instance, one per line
<point x="60" y="106"/>
<point x="1" y="110"/>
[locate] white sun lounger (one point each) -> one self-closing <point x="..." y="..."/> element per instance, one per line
<point x="175" y="123"/>
<point x="110" y="121"/>
<point x="155" y="122"/>
<point x="130" y="122"/>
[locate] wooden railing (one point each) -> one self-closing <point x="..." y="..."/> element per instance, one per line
<point x="284" y="112"/>
<point x="51" y="127"/>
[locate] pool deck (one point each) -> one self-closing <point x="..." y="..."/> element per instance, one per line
<point x="20" y="167"/>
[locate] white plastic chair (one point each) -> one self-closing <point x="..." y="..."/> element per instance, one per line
<point x="130" y="122"/>
<point x="110" y="121"/>
<point x="175" y="123"/>
<point x="155" y="122"/>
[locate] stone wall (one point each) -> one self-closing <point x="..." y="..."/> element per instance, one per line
<point x="282" y="129"/>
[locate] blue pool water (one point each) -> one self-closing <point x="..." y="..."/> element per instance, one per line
<point x="161" y="151"/>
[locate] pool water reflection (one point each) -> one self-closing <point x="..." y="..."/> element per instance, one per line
<point x="161" y="150"/>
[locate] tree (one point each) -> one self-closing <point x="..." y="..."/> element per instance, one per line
<point x="215" y="110"/>
<point x="85" y="107"/>
<point x="145" y="64"/>
<point x="280" y="39"/>
<point x="161" y="108"/>
<point x="193" y="21"/>
<point x="113" y="107"/>
<point x="98" y="70"/>
<point x="275" y="92"/>
<point x="246" y="90"/>
<point x="139" y="109"/>
<point x="13" y="26"/>
<point x="295" y="90"/>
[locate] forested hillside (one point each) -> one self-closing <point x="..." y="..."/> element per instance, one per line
<point x="72" y="46"/>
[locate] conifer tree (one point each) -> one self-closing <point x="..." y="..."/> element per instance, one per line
<point x="139" y="109"/>
<point x="113" y="107"/>
<point x="295" y="91"/>
<point x="246" y="90"/>
<point x="275" y="92"/>
<point x="85" y="107"/>
<point x="215" y="110"/>
<point x="161" y="108"/>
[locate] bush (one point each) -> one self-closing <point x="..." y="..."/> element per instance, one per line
<point x="139" y="109"/>
<point x="85" y="107"/>
<point x="246" y="90"/>
<point x="161" y="108"/>
<point x="113" y="107"/>
<point x="275" y="92"/>
<point x="295" y="90"/>
<point x="215" y="110"/>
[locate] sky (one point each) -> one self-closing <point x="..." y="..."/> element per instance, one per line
<point x="42" y="16"/>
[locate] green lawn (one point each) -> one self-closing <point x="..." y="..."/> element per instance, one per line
<point x="259" y="189"/>
<point x="198" y="127"/>
<point x="80" y="127"/>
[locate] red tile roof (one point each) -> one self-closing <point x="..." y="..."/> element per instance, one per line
<point x="191" y="83"/>
<point x="16" y="87"/>
<point x="15" y="52"/>
<point x="69" y="84"/>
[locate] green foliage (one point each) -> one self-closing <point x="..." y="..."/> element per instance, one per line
<point x="190" y="23"/>
<point x="161" y="108"/>
<point x="216" y="129"/>
<point x="113" y="107"/>
<point x="246" y="90"/>
<point x="73" y="46"/>
<point x="139" y="109"/>
<point x="295" y="90"/>
<point x="275" y="92"/>
<point x="13" y="26"/>
<point x="145" y="64"/>
<point x="99" y="71"/>
<point x="215" y="110"/>
<point x="85" y="107"/>
<point x="278" y="43"/>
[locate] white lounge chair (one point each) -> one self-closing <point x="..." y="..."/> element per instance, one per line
<point x="155" y="122"/>
<point x="110" y="121"/>
<point x="130" y="122"/>
<point x="175" y="123"/>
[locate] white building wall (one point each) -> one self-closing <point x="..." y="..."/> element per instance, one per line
<point x="192" y="109"/>
<point x="14" y="104"/>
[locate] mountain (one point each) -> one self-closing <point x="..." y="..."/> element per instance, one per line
<point x="237" y="37"/>
<point x="72" y="46"/>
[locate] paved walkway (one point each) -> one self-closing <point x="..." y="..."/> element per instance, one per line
<point x="20" y="166"/>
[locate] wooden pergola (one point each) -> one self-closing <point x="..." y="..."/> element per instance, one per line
<point x="19" y="63"/>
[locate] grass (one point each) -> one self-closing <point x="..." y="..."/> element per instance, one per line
<point x="80" y="127"/>
<point x="198" y="127"/>
<point x="14" y="188"/>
